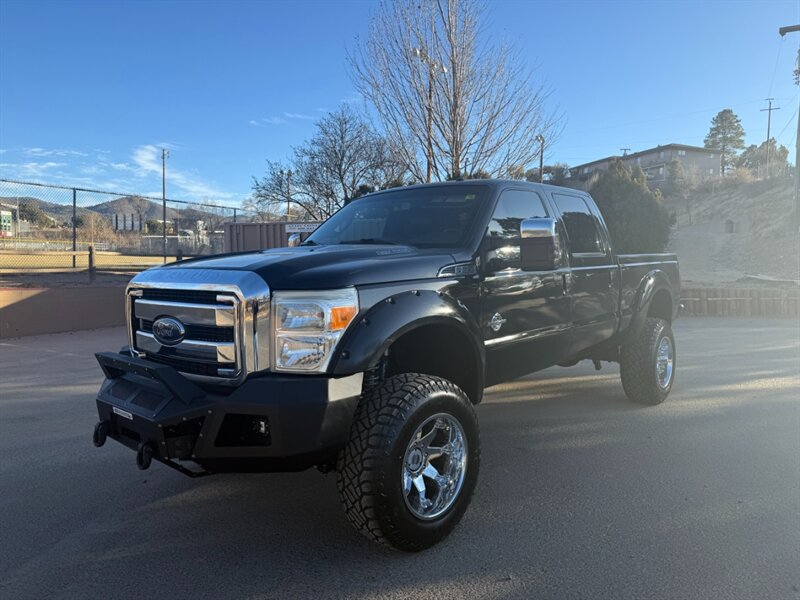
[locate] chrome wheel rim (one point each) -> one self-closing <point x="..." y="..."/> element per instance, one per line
<point x="434" y="466"/>
<point x="665" y="363"/>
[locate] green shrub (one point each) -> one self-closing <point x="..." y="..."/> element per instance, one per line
<point x="635" y="215"/>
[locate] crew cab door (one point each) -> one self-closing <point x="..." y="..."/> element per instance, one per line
<point x="525" y="315"/>
<point x="593" y="278"/>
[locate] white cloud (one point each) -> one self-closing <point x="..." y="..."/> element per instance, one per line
<point x="268" y="121"/>
<point x="142" y="171"/>
<point x="28" y="170"/>
<point x="284" y="119"/>
<point x="147" y="162"/>
<point x="43" y="152"/>
<point x="92" y="170"/>
<point x="292" y="115"/>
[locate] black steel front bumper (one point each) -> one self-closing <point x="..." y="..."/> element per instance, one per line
<point x="269" y="423"/>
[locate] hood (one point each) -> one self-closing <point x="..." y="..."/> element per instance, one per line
<point x="329" y="267"/>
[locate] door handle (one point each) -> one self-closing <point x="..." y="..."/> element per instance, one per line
<point x="611" y="278"/>
<point x="565" y="282"/>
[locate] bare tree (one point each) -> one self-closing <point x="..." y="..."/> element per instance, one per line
<point x="343" y="158"/>
<point x="454" y="105"/>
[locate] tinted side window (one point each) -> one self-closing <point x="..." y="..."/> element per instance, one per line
<point x="580" y="224"/>
<point x="514" y="207"/>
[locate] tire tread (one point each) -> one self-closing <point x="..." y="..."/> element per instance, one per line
<point x="379" y="417"/>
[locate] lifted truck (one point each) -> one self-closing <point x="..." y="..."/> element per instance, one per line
<point x="365" y="348"/>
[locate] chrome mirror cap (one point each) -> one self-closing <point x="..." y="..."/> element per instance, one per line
<point x="294" y="240"/>
<point x="539" y="247"/>
<point x="537" y="228"/>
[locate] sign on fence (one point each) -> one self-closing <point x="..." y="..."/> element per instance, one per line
<point x="301" y="227"/>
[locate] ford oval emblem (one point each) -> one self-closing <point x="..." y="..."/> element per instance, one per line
<point x="168" y="331"/>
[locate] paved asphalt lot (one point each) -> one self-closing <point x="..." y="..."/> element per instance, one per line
<point x="581" y="494"/>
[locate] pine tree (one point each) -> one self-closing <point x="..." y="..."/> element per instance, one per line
<point x="727" y="136"/>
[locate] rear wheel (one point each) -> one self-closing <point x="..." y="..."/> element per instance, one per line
<point x="406" y="477"/>
<point x="647" y="363"/>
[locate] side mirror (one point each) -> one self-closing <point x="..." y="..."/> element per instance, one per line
<point x="540" y="249"/>
<point x="294" y="240"/>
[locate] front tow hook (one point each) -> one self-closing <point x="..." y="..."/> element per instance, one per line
<point x="144" y="456"/>
<point x="100" y="433"/>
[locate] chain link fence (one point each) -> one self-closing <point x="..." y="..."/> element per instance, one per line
<point x="62" y="229"/>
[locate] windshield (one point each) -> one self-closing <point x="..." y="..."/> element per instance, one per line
<point x="440" y="216"/>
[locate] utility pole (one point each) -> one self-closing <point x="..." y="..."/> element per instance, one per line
<point x="164" y="155"/>
<point x="540" y="138"/>
<point x="625" y="151"/>
<point x="769" y="122"/>
<point x="783" y="31"/>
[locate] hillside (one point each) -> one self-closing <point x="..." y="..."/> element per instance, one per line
<point x="762" y="243"/>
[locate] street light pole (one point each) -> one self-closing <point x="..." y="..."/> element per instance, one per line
<point x="433" y="66"/>
<point x="288" y="190"/>
<point x="164" y="155"/>
<point x="540" y="138"/>
<point x="288" y="193"/>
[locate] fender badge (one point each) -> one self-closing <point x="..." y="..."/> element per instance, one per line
<point x="497" y="322"/>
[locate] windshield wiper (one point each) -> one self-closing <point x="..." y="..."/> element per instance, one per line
<point x="370" y="241"/>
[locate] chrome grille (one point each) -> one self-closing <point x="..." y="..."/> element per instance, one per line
<point x="225" y="324"/>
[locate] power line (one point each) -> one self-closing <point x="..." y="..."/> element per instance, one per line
<point x="775" y="70"/>
<point x="789" y="122"/>
<point x="667" y="117"/>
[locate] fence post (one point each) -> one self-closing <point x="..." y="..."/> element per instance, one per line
<point x="234" y="215"/>
<point x="91" y="263"/>
<point x="74" y="226"/>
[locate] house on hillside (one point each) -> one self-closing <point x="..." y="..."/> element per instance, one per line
<point x="654" y="163"/>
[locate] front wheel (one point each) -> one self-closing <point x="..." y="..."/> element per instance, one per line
<point x="407" y="474"/>
<point x="647" y="363"/>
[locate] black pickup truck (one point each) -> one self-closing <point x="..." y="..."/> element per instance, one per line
<point x="365" y="348"/>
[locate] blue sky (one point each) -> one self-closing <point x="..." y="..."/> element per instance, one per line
<point x="89" y="91"/>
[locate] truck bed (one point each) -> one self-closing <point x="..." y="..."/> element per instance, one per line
<point x="633" y="268"/>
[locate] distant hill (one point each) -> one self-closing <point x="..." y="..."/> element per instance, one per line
<point x="124" y="205"/>
<point x="60" y="213"/>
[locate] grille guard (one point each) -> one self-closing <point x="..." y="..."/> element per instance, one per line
<point x="116" y="365"/>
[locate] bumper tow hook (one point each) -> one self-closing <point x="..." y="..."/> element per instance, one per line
<point x="100" y="433"/>
<point x="144" y="456"/>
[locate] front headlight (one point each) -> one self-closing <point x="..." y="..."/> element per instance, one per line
<point x="307" y="327"/>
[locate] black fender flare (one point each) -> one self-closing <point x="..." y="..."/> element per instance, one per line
<point x="652" y="283"/>
<point x="385" y="322"/>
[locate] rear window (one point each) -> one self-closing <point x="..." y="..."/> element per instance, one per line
<point x="580" y="224"/>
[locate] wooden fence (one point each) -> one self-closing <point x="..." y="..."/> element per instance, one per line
<point x="741" y="302"/>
